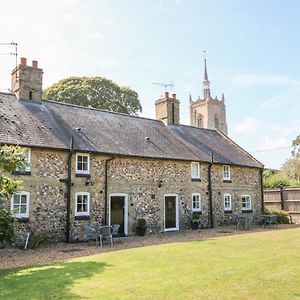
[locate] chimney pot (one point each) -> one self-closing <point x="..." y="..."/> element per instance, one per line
<point x="166" y="95"/>
<point x="34" y="63"/>
<point x="174" y="96"/>
<point x="23" y="61"/>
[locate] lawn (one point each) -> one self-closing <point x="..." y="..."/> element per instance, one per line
<point x="261" y="265"/>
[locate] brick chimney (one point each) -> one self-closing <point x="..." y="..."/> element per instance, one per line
<point x="26" y="81"/>
<point x="167" y="109"/>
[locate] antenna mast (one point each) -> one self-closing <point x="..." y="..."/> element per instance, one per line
<point x="14" y="53"/>
<point x="165" y="85"/>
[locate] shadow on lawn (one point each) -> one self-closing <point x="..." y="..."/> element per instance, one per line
<point x="46" y="282"/>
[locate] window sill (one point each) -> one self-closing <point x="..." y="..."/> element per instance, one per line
<point x="247" y="211"/>
<point x="227" y="181"/>
<point x="82" y="175"/>
<point x="196" y="179"/>
<point x="22" y="219"/>
<point x="82" y="217"/>
<point x="227" y="211"/>
<point x="28" y="173"/>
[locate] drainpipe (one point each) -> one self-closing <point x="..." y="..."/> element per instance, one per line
<point x="69" y="185"/>
<point x="211" y="221"/>
<point x="261" y="171"/>
<point x="106" y="189"/>
<point x="281" y="196"/>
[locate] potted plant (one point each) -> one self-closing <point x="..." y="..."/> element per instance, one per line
<point x="195" y="222"/>
<point x="141" y="227"/>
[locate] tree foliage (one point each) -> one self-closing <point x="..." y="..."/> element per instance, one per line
<point x="289" y="174"/>
<point x="11" y="158"/>
<point x="96" y="92"/>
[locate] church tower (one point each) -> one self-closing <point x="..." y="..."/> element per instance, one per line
<point x="207" y="112"/>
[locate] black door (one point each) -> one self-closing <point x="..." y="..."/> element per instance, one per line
<point x="170" y="212"/>
<point x="117" y="212"/>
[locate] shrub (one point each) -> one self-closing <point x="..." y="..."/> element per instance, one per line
<point x="6" y="226"/>
<point x="282" y="215"/>
<point x="141" y="223"/>
<point x="38" y="239"/>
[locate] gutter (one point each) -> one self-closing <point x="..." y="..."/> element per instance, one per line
<point x="210" y="216"/>
<point x="106" y="189"/>
<point x="262" y="190"/>
<point x="69" y="185"/>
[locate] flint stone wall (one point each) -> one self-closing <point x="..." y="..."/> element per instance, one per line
<point x="145" y="181"/>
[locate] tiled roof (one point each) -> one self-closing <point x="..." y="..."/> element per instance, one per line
<point x="50" y="125"/>
<point x="208" y="141"/>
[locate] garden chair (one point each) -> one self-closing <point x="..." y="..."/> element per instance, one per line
<point x="115" y="230"/>
<point x="90" y="233"/>
<point x="105" y="233"/>
<point x="271" y="220"/>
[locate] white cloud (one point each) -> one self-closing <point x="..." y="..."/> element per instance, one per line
<point x="249" y="125"/>
<point x="97" y="36"/>
<point x="108" y="62"/>
<point x="259" y="79"/>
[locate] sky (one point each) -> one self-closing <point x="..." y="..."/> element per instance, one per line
<point x="252" y="50"/>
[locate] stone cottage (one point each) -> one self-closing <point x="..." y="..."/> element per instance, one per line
<point x="92" y="166"/>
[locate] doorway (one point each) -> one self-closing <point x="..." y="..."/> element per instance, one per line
<point x="171" y="212"/>
<point x="119" y="212"/>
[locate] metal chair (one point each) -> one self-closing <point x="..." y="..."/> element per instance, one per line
<point x="271" y="220"/>
<point x="244" y="221"/>
<point x="105" y="233"/>
<point x="115" y="230"/>
<point x="90" y="233"/>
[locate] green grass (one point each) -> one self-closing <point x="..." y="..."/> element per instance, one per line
<point x="263" y="265"/>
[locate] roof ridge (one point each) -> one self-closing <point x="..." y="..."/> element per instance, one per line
<point x="101" y="110"/>
<point x="193" y="127"/>
<point x="238" y="147"/>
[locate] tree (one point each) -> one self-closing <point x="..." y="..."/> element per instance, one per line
<point x="11" y="158"/>
<point x="96" y="92"/>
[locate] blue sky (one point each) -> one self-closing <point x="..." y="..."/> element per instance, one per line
<point x="252" y="53"/>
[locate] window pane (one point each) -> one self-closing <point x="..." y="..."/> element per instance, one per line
<point x="23" y="199"/>
<point x="16" y="199"/>
<point x="23" y="209"/>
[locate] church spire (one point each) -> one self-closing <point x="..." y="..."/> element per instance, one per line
<point x="206" y="88"/>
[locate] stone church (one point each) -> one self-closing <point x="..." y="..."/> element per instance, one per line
<point x="91" y="166"/>
<point x="208" y="112"/>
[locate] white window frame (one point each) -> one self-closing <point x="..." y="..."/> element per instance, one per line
<point x="19" y="215"/>
<point x="28" y="160"/>
<point x="195" y="176"/>
<point x="225" y="176"/>
<point x="88" y="167"/>
<point x="197" y="209"/>
<point x="248" y="208"/>
<point x="82" y="213"/>
<point x="230" y="202"/>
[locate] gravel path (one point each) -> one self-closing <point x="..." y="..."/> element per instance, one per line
<point x="12" y="257"/>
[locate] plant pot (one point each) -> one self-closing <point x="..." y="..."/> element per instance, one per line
<point x="140" y="231"/>
<point x="195" y="225"/>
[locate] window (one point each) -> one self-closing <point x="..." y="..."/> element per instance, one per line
<point x="226" y="172"/>
<point x="82" y="204"/>
<point x="246" y="202"/>
<point x="227" y="202"/>
<point x="195" y="166"/>
<point x="196" y="205"/>
<point x="27" y="158"/>
<point x="82" y="163"/>
<point x="200" y="121"/>
<point x="20" y="205"/>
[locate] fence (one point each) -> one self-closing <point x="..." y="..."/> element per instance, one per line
<point x="284" y="198"/>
